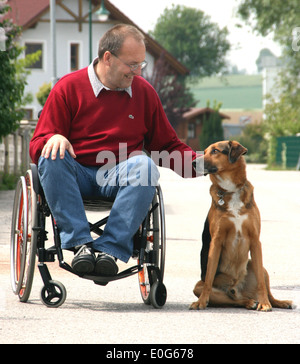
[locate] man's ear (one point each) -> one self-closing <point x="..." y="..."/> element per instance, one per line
<point x="235" y="151"/>
<point x="106" y="59"/>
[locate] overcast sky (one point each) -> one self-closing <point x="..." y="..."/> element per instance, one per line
<point x="245" y="45"/>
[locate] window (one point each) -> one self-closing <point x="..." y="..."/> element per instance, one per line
<point x="191" y="130"/>
<point x="32" y="48"/>
<point x="74" y="56"/>
<point x="28" y="114"/>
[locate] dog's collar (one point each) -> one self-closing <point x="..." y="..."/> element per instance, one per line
<point x="221" y="194"/>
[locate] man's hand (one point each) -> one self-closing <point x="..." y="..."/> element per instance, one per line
<point x="55" y="143"/>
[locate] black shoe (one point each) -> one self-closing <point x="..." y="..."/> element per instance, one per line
<point x="84" y="260"/>
<point x="106" y="265"/>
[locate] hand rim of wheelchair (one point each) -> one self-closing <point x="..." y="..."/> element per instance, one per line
<point x="149" y="276"/>
<point x="24" y="236"/>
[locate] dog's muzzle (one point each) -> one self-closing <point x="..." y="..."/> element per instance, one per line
<point x="209" y="169"/>
<point x="203" y="168"/>
<point x="198" y="165"/>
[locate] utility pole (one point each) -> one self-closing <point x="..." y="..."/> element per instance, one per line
<point x="53" y="41"/>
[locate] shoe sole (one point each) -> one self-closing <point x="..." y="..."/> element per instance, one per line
<point x="83" y="265"/>
<point x="106" y="267"/>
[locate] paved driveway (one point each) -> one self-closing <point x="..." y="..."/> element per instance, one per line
<point x="115" y="313"/>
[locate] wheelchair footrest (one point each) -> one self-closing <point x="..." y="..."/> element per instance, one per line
<point x="103" y="280"/>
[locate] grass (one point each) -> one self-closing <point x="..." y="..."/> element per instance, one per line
<point x="7" y="181"/>
<point x="233" y="91"/>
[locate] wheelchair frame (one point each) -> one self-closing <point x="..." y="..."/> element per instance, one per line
<point x="28" y="238"/>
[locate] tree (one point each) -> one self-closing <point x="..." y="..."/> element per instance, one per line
<point x="173" y="93"/>
<point x="12" y="75"/>
<point x="190" y="36"/>
<point x="282" y="119"/>
<point x="43" y="93"/>
<point x="282" y="18"/>
<point x="212" y="130"/>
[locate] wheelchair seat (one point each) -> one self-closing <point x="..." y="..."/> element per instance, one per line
<point x="91" y="203"/>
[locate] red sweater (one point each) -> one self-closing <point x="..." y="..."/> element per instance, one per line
<point x="94" y="124"/>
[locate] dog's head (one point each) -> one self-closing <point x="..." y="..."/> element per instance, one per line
<point x="220" y="156"/>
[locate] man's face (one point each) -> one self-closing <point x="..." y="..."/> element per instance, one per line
<point x="119" y="74"/>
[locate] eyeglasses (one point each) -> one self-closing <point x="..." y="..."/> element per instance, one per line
<point x="133" y="67"/>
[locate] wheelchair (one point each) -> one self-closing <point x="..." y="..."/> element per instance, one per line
<point x="29" y="236"/>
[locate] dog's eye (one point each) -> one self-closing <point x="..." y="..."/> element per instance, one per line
<point x="214" y="151"/>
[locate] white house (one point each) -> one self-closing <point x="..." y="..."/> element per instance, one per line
<point x="72" y="38"/>
<point x="271" y="67"/>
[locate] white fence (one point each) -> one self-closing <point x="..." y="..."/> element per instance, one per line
<point x="14" y="149"/>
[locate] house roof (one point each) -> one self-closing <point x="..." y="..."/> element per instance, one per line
<point x="27" y="14"/>
<point x="194" y="112"/>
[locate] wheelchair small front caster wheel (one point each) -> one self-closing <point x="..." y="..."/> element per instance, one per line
<point x="158" y="294"/>
<point x="53" y="294"/>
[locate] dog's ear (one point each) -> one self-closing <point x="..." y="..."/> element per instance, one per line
<point x="235" y="151"/>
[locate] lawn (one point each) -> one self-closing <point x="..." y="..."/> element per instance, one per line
<point x="234" y="91"/>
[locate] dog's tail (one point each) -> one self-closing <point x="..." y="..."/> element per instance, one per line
<point x="274" y="302"/>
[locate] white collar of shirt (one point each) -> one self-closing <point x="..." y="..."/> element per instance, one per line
<point x="97" y="85"/>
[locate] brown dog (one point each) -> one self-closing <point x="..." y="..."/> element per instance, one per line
<point x="231" y="230"/>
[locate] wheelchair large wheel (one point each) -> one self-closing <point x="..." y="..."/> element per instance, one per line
<point x="23" y="237"/>
<point x="148" y="277"/>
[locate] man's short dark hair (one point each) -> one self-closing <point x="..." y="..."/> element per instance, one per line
<point x="114" y="38"/>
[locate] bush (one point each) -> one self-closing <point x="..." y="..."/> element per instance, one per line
<point x="13" y="75"/>
<point x="253" y="139"/>
<point x="282" y="119"/>
<point x="43" y="93"/>
<point x="7" y="181"/>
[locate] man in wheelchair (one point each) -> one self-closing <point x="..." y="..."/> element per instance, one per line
<point x="89" y="141"/>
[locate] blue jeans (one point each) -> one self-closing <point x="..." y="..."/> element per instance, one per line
<point x="65" y="182"/>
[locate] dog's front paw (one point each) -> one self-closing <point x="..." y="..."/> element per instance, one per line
<point x="197" y="306"/>
<point x="251" y="304"/>
<point x="265" y="307"/>
<point x="194" y="306"/>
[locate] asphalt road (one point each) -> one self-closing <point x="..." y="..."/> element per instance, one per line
<point x="115" y="314"/>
